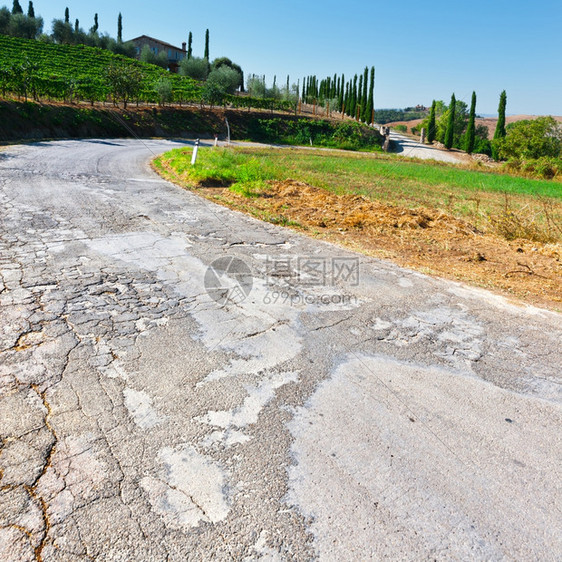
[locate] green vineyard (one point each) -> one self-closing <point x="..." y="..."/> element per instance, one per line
<point x="30" y="68"/>
<point x="70" y="73"/>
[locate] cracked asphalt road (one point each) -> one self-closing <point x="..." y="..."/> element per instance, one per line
<point x="345" y="409"/>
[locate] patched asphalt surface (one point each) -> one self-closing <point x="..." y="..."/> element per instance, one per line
<point x="323" y="405"/>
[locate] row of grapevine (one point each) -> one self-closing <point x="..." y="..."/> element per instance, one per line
<point x="67" y="72"/>
<point x="70" y="73"/>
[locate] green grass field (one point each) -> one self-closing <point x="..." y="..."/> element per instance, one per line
<point x="484" y="198"/>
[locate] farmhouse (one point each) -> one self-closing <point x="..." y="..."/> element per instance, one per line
<point x="174" y="54"/>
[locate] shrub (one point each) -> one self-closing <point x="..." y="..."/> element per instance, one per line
<point x="536" y="138"/>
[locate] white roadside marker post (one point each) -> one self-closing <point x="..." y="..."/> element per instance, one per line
<point x="228" y="129"/>
<point x="194" y="155"/>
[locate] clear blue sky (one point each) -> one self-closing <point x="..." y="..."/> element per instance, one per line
<point x="420" y="50"/>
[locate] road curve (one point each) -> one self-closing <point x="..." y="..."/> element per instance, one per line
<point x="407" y="147"/>
<point x="290" y="401"/>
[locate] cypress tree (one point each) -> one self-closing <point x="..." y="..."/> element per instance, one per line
<point x="500" y="127"/>
<point x="190" y="45"/>
<point x="450" y="131"/>
<point x="364" y="96"/>
<point x="66" y="16"/>
<point x="120" y="28"/>
<point x="353" y="104"/>
<point x="346" y="99"/>
<point x="371" y="100"/>
<point x="30" y="10"/>
<point x="206" y="55"/>
<point x="499" y="133"/>
<point x="359" y="105"/>
<point x="16" y="8"/>
<point x="431" y="124"/>
<point x="341" y="92"/>
<point x="76" y="26"/>
<point x="471" y="129"/>
<point x="96" y="24"/>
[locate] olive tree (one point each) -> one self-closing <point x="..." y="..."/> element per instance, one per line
<point x="195" y="67"/>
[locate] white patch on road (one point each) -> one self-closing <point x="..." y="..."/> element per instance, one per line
<point x="263" y="552"/>
<point x="397" y="461"/>
<point x="262" y="351"/>
<point x="246" y="414"/>
<point x="140" y="407"/>
<point x="405" y="282"/>
<point x="381" y="324"/>
<point x="191" y="489"/>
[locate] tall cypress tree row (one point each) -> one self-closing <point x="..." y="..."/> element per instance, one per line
<point x="190" y="45"/>
<point x="206" y="55"/>
<point x="431" y="132"/>
<point x="450" y="131"/>
<point x="371" y="100"/>
<point x="471" y="128"/>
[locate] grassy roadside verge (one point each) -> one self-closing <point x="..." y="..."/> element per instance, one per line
<point x="490" y="230"/>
